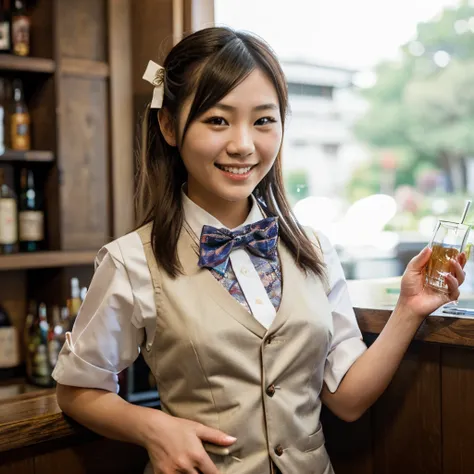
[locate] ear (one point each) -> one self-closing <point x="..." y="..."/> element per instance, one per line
<point x="167" y="127"/>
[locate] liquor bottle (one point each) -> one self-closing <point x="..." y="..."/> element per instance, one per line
<point x="31" y="216"/>
<point x="27" y="334"/>
<point x="8" y="218"/>
<point x="39" y="366"/>
<point x="55" y="336"/>
<point x="9" y="347"/>
<point x="74" y="303"/>
<point x="3" y="116"/>
<point x="5" y="29"/>
<point x="65" y="321"/>
<point x="20" y="28"/>
<point x="20" y="119"/>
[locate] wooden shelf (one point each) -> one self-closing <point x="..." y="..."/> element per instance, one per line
<point x="23" y="261"/>
<point x="10" y="62"/>
<point x="84" y="68"/>
<point x="31" y="155"/>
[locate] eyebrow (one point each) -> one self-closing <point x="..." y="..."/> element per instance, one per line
<point x="230" y="108"/>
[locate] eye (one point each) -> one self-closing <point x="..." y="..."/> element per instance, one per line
<point x="219" y="121"/>
<point x="265" y="121"/>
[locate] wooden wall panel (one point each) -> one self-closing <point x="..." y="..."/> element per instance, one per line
<point x="198" y="14"/>
<point x="82" y="28"/>
<point x="407" y="418"/>
<point x="95" y="457"/>
<point x="83" y="155"/>
<point x="121" y="117"/>
<point x="152" y="38"/>
<point x="21" y="466"/>
<point x="458" y="410"/>
<point x="349" y="444"/>
<point x="42" y="109"/>
<point x="42" y="25"/>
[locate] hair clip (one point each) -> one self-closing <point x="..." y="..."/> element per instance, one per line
<point x="154" y="74"/>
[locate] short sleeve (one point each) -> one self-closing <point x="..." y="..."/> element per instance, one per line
<point x="347" y="344"/>
<point x="104" y="340"/>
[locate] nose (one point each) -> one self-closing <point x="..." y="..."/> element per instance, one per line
<point x="241" y="143"/>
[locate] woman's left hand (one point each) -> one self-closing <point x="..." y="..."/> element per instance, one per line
<point x="421" y="300"/>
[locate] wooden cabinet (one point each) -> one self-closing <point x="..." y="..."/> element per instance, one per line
<point x="78" y="115"/>
<point x="83" y="123"/>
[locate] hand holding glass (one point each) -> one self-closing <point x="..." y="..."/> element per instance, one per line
<point x="448" y="241"/>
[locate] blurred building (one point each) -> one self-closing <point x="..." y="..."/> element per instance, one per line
<point x="319" y="144"/>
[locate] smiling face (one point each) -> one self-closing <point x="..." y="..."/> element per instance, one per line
<point x="229" y="149"/>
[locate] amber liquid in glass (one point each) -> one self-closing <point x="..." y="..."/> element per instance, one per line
<point x="439" y="266"/>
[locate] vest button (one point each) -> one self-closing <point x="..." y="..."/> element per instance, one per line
<point x="271" y="390"/>
<point x="279" y="450"/>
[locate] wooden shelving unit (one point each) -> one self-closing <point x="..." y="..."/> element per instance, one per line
<point x="38" y="156"/>
<point x="52" y="259"/>
<point x="10" y="62"/>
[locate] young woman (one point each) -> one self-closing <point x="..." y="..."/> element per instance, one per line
<point x="242" y="315"/>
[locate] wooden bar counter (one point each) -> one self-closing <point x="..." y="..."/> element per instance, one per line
<point x="36" y="438"/>
<point x="424" y="423"/>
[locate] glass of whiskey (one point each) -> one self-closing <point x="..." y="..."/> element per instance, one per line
<point x="448" y="241"/>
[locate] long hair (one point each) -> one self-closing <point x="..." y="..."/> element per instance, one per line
<point x="209" y="64"/>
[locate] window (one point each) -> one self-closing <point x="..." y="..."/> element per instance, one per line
<point x="382" y="112"/>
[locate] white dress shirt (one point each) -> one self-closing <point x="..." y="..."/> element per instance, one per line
<point x="118" y="313"/>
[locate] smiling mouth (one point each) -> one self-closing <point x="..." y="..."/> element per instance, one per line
<point x="235" y="169"/>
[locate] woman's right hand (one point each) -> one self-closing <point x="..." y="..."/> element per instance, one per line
<point x="175" y="445"/>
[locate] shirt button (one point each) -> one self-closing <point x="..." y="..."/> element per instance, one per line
<point x="271" y="390"/>
<point x="258" y="301"/>
<point x="244" y="271"/>
<point x="279" y="450"/>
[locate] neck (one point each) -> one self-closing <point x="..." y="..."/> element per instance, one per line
<point x="230" y="214"/>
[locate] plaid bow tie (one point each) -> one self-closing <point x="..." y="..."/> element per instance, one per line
<point x="259" y="238"/>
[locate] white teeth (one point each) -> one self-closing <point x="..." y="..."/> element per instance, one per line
<point x="236" y="170"/>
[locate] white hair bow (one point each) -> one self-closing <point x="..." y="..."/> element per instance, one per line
<point x="154" y="75"/>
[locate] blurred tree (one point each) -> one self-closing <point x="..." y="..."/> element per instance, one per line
<point x="297" y="184"/>
<point x="422" y="106"/>
<point x="440" y="118"/>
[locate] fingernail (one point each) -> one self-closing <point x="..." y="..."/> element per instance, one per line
<point x="231" y="439"/>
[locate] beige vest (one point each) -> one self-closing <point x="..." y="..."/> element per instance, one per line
<point x="214" y="363"/>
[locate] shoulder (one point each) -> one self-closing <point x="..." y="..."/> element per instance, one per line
<point x="125" y="248"/>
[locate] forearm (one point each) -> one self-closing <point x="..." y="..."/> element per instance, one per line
<point x="107" y="414"/>
<point x="370" y="375"/>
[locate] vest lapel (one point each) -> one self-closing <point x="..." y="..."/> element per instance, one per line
<point x="292" y="280"/>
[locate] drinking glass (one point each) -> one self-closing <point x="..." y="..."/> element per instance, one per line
<point x="448" y="241"/>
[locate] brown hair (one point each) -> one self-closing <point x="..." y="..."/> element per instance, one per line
<point x="209" y="63"/>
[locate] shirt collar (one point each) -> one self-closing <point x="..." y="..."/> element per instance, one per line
<point x="196" y="217"/>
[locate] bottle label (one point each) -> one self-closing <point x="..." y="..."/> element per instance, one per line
<point x="8" y="226"/>
<point x="31" y="226"/>
<point x="20" y="131"/>
<point x="21" y="35"/>
<point x="9" y="348"/>
<point x="40" y="362"/>
<point x="5" y="36"/>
